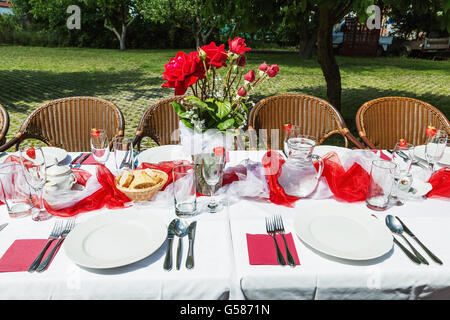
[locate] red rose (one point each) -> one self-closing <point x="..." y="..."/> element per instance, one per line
<point x="272" y="70"/>
<point x="31" y="153"/>
<point x="250" y="76"/>
<point x="215" y="56"/>
<point x="242" y="61"/>
<point x="242" y="92"/>
<point x="219" y="151"/>
<point x="95" y="133"/>
<point x="263" y="67"/>
<point x="402" y="143"/>
<point x="183" y="71"/>
<point x="287" y="127"/>
<point x="238" y="46"/>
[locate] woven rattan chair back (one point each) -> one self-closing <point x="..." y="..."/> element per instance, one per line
<point x="159" y="122"/>
<point x="66" y="123"/>
<point x="382" y="122"/>
<point x="315" y="116"/>
<point x="4" y="124"/>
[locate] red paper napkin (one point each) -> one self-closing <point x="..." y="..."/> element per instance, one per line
<point x="261" y="249"/>
<point x="21" y="254"/>
<point x="89" y="160"/>
<point x="440" y="180"/>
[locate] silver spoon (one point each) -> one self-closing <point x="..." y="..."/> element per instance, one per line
<point x="394" y="224"/>
<point x="181" y="227"/>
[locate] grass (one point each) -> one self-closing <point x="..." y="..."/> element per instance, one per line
<point x="31" y="76"/>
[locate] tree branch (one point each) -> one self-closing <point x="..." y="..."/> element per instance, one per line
<point x="113" y="29"/>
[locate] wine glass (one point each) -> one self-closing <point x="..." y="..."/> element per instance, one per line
<point x="100" y="145"/>
<point x="212" y="171"/>
<point x="403" y="157"/>
<point x="290" y="131"/>
<point x="435" y="147"/>
<point x="33" y="164"/>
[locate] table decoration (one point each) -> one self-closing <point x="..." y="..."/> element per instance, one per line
<point x="440" y="181"/>
<point x="21" y="254"/>
<point x="216" y="109"/>
<point x="261" y="249"/>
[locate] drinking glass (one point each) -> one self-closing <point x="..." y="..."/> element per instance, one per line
<point x="35" y="172"/>
<point x="212" y="171"/>
<point x="184" y="190"/>
<point x="380" y="184"/>
<point x="14" y="190"/>
<point x="403" y="157"/>
<point x="435" y="148"/>
<point x="100" y="145"/>
<point x="123" y="154"/>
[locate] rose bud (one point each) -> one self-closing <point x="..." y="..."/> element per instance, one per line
<point x="402" y="143"/>
<point x="242" y="61"/>
<point x="272" y="71"/>
<point x="287" y="127"/>
<point x="263" y="67"/>
<point x="242" y="92"/>
<point x="250" y="76"/>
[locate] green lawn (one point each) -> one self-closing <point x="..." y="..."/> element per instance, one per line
<point x="30" y="76"/>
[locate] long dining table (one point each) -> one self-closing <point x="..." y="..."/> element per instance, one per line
<point x="222" y="269"/>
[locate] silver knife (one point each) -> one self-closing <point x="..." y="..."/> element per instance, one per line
<point x="3" y="226"/>
<point x="191" y="236"/>
<point x="409" y="232"/>
<point x="81" y="161"/>
<point x="170" y="236"/>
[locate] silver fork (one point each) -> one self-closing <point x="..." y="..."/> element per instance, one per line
<point x="69" y="226"/>
<point x="270" y="228"/>
<point x="279" y="228"/>
<point x="56" y="232"/>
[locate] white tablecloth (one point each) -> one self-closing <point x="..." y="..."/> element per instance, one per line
<point x="222" y="269"/>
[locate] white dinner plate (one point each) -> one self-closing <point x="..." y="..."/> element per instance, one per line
<point x="168" y="152"/>
<point x="419" y="152"/>
<point x="115" y="239"/>
<point x="343" y="232"/>
<point x="50" y="153"/>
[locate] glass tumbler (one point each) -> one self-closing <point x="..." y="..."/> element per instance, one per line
<point x="184" y="190"/>
<point x="14" y="190"/>
<point x="381" y="182"/>
<point x="123" y="154"/>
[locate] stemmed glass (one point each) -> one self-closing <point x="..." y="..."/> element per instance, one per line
<point x="100" y="145"/>
<point x="435" y="148"/>
<point x="402" y="156"/>
<point x="33" y="164"/>
<point x="290" y="131"/>
<point x="212" y="171"/>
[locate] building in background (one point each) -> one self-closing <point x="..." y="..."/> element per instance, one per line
<point x="5" y="7"/>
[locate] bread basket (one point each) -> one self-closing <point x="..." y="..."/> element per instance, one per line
<point x="145" y="194"/>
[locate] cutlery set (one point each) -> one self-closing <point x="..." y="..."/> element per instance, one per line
<point x="58" y="233"/>
<point x="398" y="227"/>
<point x="78" y="165"/>
<point x="274" y="225"/>
<point x="180" y="229"/>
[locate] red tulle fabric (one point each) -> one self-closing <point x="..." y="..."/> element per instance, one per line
<point x="108" y="196"/>
<point x="165" y="166"/>
<point x="350" y="185"/>
<point x="440" y="180"/>
<point x="272" y="162"/>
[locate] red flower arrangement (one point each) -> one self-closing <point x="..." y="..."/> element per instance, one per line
<point x="217" y="101"/>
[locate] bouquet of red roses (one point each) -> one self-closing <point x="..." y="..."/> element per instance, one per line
<point x="218" y="83"/>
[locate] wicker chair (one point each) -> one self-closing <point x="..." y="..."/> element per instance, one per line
<point x="159" y="122"/>
<point x="382" y="122"/>
<point x="66" y="123"/>
<point x="4" y="124"/>
<point x="315" y="116"/>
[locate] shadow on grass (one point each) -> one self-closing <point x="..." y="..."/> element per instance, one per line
<point x="23" y="89"/>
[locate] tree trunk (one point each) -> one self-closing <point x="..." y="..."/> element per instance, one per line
<point x="307" y="40"/>
<point x="123" y="37"/>
<point x="326" y="59"/>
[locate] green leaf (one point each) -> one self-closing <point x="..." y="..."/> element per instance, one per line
<point x="197" y="102"/>
<point x="223" y="109"/>
<point x="224" y="125"/>
<point x="179" y="109"/>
